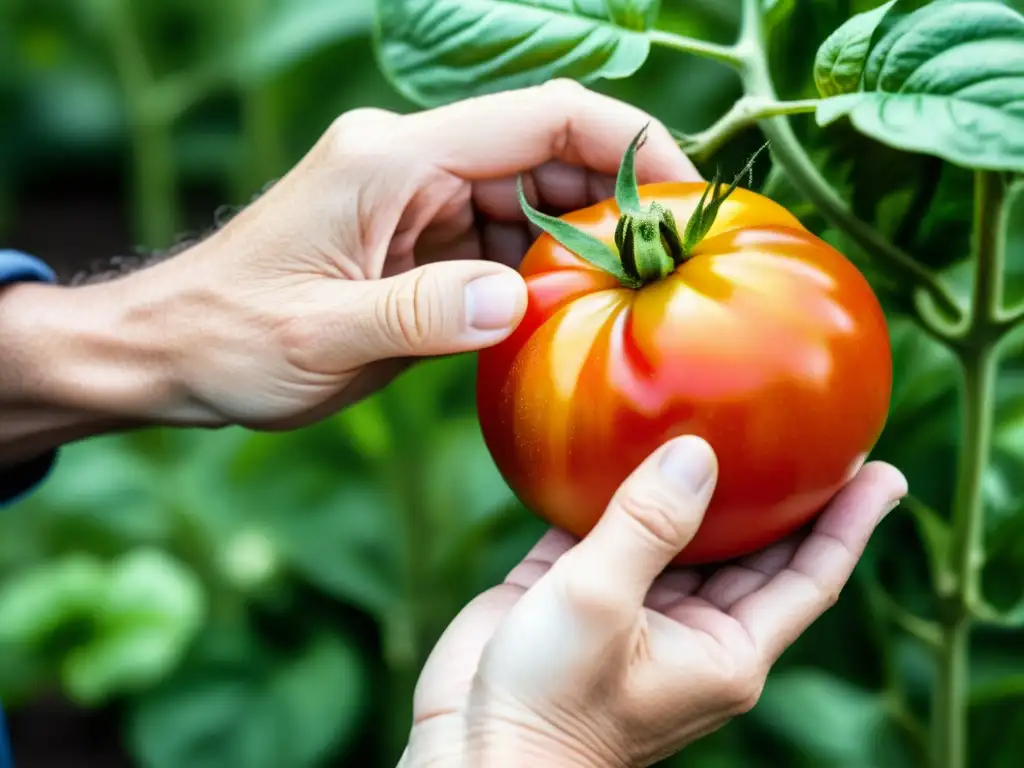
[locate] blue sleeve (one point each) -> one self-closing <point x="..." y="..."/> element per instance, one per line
<point x="6" y="759"/>
<point x="18" y="480"/>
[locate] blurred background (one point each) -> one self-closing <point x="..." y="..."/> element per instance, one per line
<point x="240" y="600"/>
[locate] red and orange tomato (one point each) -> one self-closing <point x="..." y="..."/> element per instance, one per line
<point x="766" y="341"/>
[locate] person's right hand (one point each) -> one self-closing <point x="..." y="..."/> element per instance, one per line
<point x="592" y="654"/>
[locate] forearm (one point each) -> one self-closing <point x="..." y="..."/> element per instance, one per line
<point x="74" y="362"/>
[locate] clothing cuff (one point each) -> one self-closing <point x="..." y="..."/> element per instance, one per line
<point x="6" y="759"/>
<point x="18" y="267"/>
<point x="18" y="480"/>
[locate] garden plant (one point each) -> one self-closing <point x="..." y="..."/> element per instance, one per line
<point x="232" y="598"/>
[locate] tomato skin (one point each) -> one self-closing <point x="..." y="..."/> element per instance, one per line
<point x="767" y="342"/>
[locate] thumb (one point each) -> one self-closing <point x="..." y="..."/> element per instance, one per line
<point x="651" y="518"/>
<point x="438" y="309"/>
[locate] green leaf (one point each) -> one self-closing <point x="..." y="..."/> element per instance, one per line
<point x="464" y="495"/>
<point x="461" y="482"/>
<point x="104" y="484"/>
<point x="584" y="245"/>
<point x="320" y="697"/>
<point x="946" y="80"/>
<point x="436" y="51"/>
<point x="346" y="544"/>
<point x="826" y="718"/>
<point x="934" y="532"/>
<point x="294" y="30"/>
<point x="35" y="604"/>
<point x="366" y="425"/>
<point x="1014" y="277"/>
<point x="150" y="611"/>
<point x="996" y="670"/>
<point x="627" y="194"/>
<point x="840" y="61"/>
<point x="703" y="217"/>
<point x="922" y="435"/>
<point x="254" y="714"/>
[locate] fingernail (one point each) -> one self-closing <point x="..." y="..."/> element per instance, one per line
<point x="493" y="302"/>
<point x="689" y="463"/>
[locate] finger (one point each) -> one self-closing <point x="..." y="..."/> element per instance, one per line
<point x="651" y="518"/>
<point x="554" y="187"/>
<point x="540" y="558"/>
<point x="506" y="243"/>
<point x="671" y="587"/>
<point x="733" y="582"/>
<point x="507" y="133"/>
<point x="436" y="309"/>
<point x="778" y="613"/>
<point x="562" y="187"/>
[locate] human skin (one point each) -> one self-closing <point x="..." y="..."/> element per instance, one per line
<point x="599" y="654"/>
<point x="394" y="238"/>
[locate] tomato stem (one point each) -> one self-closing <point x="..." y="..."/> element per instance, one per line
<point x="647" y="237"/>
<point x="584" y="245"/>
<point x="704" y="216"/>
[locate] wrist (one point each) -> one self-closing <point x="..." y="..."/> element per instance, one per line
<point x="502" y="732"/>
<point x="77" y="361"/>
<point x="509" y="747"/>
<point x="449" y="741"/>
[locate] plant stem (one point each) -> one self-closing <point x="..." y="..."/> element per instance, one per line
<point x="949" y="714"/>
<point x="978" y="357"/>
<point x="156" y="203"/>
<point x="744" y="113"/>
<point x="976" y="346"/>
<point x="156" y="215"/>
<point x="809" y="181"/>
<point x="1012" y="320"/>
<point x="977" y="349"/>
<point x="990" y="249"/>
<point x="261" y="157"/>
<point x="725" y="54"/>
<point x="749" y="57"/>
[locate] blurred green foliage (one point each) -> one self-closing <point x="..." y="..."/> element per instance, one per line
<point x="251" y="600"/>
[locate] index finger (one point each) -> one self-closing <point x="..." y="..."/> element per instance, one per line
<point x="778" y="613"/>
<point x="510" y="132"/>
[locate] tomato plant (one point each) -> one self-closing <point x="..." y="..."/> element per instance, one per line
<point x="936" y="86"/>
<point x="745" y="329"/>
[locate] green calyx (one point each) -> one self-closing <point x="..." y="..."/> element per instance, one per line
<point x="649" y="244"/>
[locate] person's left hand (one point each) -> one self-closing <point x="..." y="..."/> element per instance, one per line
<point x="394" y="238"/>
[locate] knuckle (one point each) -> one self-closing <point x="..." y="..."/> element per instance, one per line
<point x="564" y="95"/>
<point x="829" y="597"/>
<point x="412" y="311"/>
<point x="356" y="130"/>
<point x="658" y="514"/>
<point x="563" y="88"/>
<point x="303" y="338"/>
<point x="746" y="702"/>
<point x="742" y="690"/>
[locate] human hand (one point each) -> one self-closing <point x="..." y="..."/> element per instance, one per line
<point x="392" y="239"/>
<point x="592" y="654"/>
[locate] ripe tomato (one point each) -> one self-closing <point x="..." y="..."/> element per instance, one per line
<point x="765" y="341"/>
